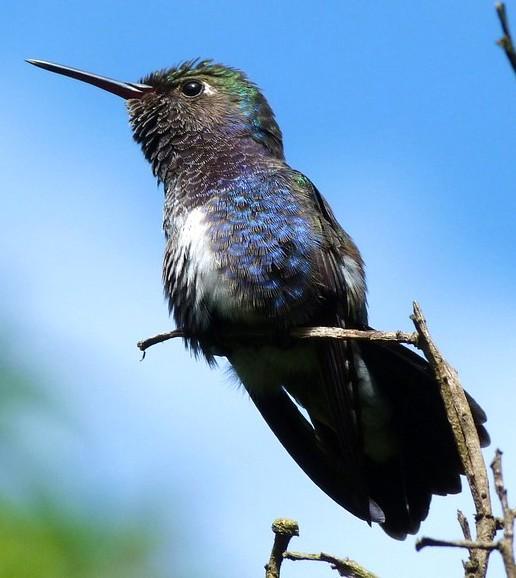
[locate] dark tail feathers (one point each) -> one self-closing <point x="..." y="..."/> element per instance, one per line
<point x="428" y="462"/>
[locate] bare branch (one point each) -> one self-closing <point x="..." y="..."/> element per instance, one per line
<point x="284" y="530"/>
<point x="298" y="333"/>
<point x="506" y="544"/>
<point x="469" y="544"/>
<point x="344" y="566"/>
<point x="506" y="42"/>
<point x="337" y="333"/>
<point x="468" y="445"/>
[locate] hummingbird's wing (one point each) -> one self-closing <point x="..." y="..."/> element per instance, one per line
<point x="386" y="391"/>
<point x="343" y="286"/>
<point x="383" y="406"/>
<point x="319" y="376"/>
<point x="328" y="447"/>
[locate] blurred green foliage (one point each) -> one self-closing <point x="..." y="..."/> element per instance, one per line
<point x="41" y="534"/>
<point x="44" y="540"/>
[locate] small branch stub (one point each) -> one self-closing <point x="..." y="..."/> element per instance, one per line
<point x="284" y="530"/>
<point x="464" y="524"/>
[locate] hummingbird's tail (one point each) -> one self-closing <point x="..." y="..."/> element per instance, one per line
<point x="377" y="440"/>
<point x="427" y="461"/>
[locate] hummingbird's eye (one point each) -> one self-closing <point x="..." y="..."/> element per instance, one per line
<point x="192" y="88"/>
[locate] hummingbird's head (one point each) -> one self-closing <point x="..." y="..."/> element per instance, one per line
<point x="197" y="103"/>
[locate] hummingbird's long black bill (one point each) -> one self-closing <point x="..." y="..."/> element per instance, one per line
<point x="124" y="89"/>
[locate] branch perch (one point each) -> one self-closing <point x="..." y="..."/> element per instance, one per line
<point x="299" y="333"/>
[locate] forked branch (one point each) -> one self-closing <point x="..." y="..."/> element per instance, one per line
<point x="284" y="530"/>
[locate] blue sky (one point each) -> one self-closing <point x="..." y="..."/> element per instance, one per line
<point x="402" y="114"/>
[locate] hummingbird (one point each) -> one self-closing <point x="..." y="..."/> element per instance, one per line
<point x="253" y="251"/>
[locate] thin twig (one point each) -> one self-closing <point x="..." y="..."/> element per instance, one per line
<point x="506" y="42"/>
<point x="469" y="544"/>
<point x="344" y="566"/>
<point x="160" y="337"/>
<point x="284" y="530"/>
<point x="506" y="544"/>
